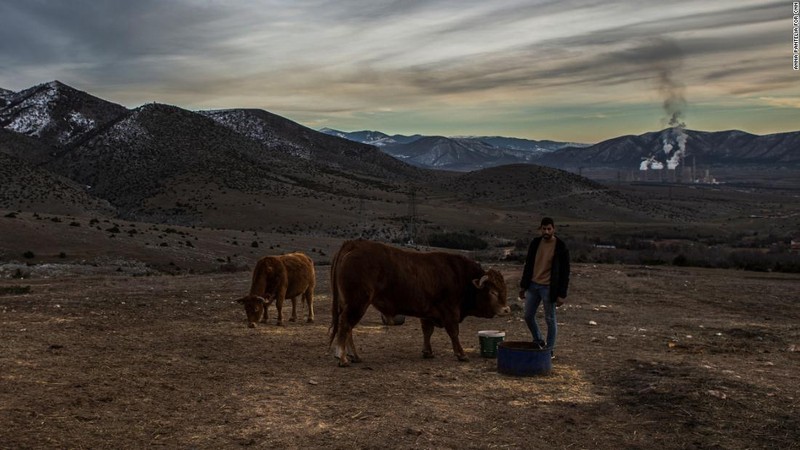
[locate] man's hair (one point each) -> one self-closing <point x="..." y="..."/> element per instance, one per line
<point x="547" y="221"/>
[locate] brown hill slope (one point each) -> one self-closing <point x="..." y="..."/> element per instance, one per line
<point x="25" y="187"/>
<point x="162" y="163"/>
<point x="26" y="148"/>
<point x="548" y="191"/>
<point x="282" y="135"/>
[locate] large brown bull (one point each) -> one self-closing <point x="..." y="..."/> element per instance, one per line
<point x="274" y="279"/>
<point x="441" y="289"/>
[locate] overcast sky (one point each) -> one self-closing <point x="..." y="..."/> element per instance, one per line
<point x="568" y="70"/>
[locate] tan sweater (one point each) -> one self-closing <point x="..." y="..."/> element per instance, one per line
<point x="543" y="263"/>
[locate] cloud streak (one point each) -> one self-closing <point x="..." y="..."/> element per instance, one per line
<point x="386" y="62"/>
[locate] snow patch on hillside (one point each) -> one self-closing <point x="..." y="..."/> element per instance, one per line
<point x="126" y="131"/>
<point x="37" y="112"/>
<point x="251" y="126"/>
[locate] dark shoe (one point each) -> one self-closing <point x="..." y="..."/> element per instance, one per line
<point x="539" y="344"/>
<point x="552" y="356"/>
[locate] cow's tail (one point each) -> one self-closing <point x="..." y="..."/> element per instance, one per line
<point x="335" y="310"/>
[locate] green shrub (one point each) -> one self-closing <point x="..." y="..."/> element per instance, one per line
<point x="15" y="290"/>
<point x="680" y="260"/>
<point x="460" y="241"/>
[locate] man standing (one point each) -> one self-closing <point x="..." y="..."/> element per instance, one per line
<point x="545" y="277"/>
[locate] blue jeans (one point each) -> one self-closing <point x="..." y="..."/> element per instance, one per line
<point x="535" y="294"/>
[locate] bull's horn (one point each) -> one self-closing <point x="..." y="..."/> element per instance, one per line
<point x="480" y="282"/>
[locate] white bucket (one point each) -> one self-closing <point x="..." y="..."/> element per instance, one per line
<point x="489" y="340"/>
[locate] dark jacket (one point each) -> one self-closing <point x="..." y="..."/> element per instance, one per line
<point x="559" y="274"/>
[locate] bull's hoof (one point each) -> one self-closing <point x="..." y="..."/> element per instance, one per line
<point x="344" y="363"/>
<point x="354" y="359"/>
<point x="462" y="358"/>
<point x="427" y="355"/>
<point x="251" y="325"/>
<point x="310" y="320"/>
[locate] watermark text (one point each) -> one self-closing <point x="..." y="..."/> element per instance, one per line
<point x="796" y="35"/>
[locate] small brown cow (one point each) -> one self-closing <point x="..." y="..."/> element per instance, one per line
<point x="276" y="278"/>
<point x="439" y="288"/>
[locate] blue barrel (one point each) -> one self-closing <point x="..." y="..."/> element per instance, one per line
<point x="522" y="359"/>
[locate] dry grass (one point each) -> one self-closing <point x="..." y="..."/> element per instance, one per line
<point x="678" y="359"/>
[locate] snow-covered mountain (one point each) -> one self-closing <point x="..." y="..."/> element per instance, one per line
<point x="664" y="150"/>
<point x="375" y="138"/>
<point x="463" y="153"/>
<point x="4" y="95"/>
<point x="283" y="136"/>
<point x="56" y="113"/>
<point x="135" y="159"/>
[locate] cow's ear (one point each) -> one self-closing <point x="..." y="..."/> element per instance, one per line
<point x="479" y="282"/>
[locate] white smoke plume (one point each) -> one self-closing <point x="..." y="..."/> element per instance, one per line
<point x="651" y="164"/>
<point x="679" y="136"/>
<point x="673" y="144"/>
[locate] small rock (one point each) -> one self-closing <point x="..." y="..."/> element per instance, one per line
<point x="718" y="394"/>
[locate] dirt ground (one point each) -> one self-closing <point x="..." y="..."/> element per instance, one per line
<point x="648" y="357"/>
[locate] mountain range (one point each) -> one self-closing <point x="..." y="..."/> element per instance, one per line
<point x="464" y="153"/>
<point x="708" y="149"/>
<point x="66" y="151"/>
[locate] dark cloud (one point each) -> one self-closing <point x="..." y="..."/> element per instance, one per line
<point x="48" y="32"/>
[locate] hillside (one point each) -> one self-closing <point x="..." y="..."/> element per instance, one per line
<point x="284" y="136"/>
<point x="703" y="150"/>
<point x="56" y="113"/>
<point x="462" y="154"/>
<point x="4" y="95"/>
<point x="27" y="148"/>
<point x="248" y="169"/>
<point x="448" y="154"/>
<point x="28" y="188"/>
<point x="728" y="149"/>
<point x="555" y="192"/>
<point x="163" y="163"/>
<point x="239" y="169"/>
